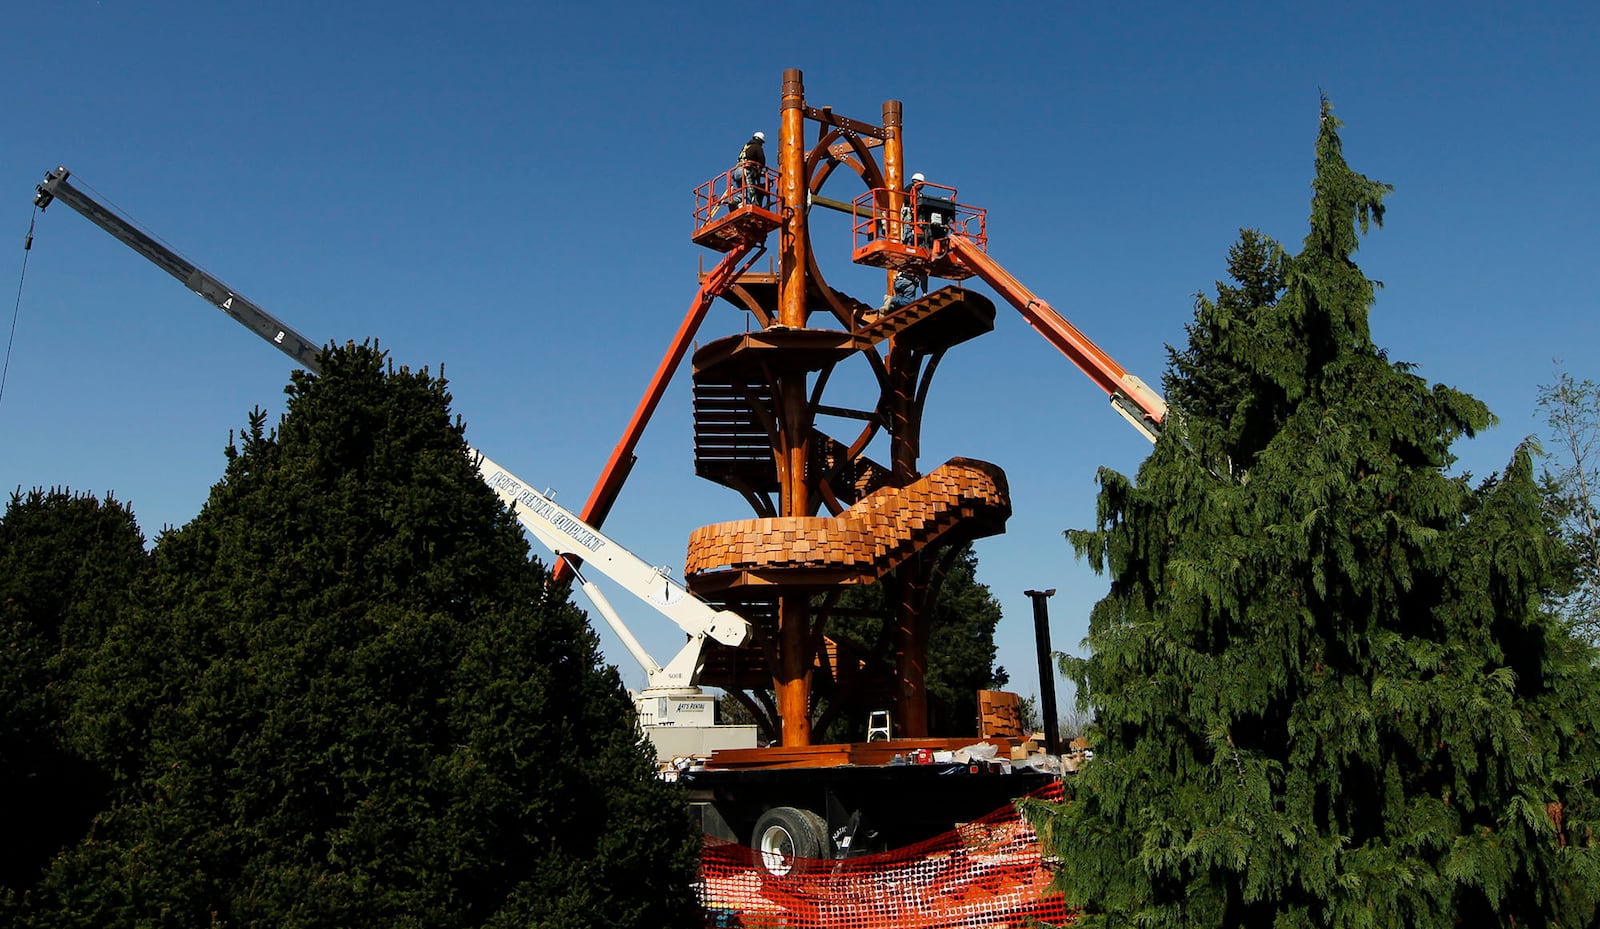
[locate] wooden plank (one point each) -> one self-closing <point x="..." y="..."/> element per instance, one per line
<point x="850" y="753"/>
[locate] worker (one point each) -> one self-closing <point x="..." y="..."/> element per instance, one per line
<point x="750" y="171"/>
<point x="907" y="284"/>
<point x="908" y="212"/>
<point x="935" y="215"/>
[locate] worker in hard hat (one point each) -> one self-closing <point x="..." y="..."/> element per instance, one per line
<point x="936" y="214"/>
<point x="908" y="209"/>
<point x="750" y="171"/>
<point x="907" y="285"/>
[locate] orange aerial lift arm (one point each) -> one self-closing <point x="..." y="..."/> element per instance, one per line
<point x="620" y="464"/>
<point x="1133" y="398"/>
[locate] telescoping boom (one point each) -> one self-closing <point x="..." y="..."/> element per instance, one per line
<point x="1132" y="398"/>
<point x="563" y="533"/>
<point x="570" y="537"/>
<point x="218" y="294"/>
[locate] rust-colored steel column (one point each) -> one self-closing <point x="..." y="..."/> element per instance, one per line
<point x="792" y="235"/>
<point x="901" y="363"/>
<point x="893" y="172"/>
<point x="911" y="652"/>
<point x="910" y="629"/>
<point x="905" y="426"/>
<point x="792" y="681"/>
<point x="893" y="163"/>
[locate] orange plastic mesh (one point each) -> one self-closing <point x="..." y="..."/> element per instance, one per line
<point x="985" y="873"/>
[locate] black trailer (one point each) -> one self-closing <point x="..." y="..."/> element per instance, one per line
<point x="845" y="810"/>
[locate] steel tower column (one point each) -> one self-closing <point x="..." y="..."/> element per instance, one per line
<point x="893" y="176"/>
<point x="792" y="682"/>
<point x="909" y="630"/>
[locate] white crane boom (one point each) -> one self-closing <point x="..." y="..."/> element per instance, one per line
<point x="554" y="527"/>
<point x="563" y="533"/>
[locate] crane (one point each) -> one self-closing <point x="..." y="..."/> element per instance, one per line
<point x="670" y="687"/>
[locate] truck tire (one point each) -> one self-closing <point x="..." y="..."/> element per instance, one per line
<point x="785" y="833"/>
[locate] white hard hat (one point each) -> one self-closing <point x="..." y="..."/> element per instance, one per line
<point x="760" y="137"/>
<point x="918" y="177"/>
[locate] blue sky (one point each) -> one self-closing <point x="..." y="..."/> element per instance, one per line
<point x="506" y="190"/>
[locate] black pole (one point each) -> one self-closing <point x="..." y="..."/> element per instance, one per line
<point x="1047" y="673"/>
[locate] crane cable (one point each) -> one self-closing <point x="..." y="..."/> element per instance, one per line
<point x="27" y="248"/>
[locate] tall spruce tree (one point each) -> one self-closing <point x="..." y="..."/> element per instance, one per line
<point x="350" y="699"/>
<point x="1326" y="686"/>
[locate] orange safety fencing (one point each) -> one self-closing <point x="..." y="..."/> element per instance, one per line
<point x="989" y="872"/>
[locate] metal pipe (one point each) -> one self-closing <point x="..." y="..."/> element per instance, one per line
<point x="1047" y="674"/>
<point x="841" y="206"/>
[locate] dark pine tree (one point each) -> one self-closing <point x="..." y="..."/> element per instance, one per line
<point x="350" y="699"/>
<point x="1327" y="688"/>
<point x="68" y="566"/>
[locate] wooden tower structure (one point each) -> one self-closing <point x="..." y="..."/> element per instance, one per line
<point x="826" y="516"/>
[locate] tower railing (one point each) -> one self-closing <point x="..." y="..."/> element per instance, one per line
<point x="912" y="235"/>
<point x="731" y="190"/>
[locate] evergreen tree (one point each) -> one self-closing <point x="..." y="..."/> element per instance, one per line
<point x="68" y="564"/>
<point x="350" y="699"/>
<point x="1243" y="404"/>
<point x="961" y="650"/>
<point x="1327" y="691"/>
